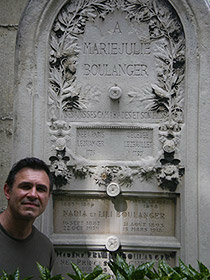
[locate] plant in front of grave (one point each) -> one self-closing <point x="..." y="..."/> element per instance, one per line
<point x="164" y="272"/>
<point x="45" y="274"/>
<point x="14" y="276"/>
<point x="190" y="273"/>
<point x="96" y="274"/>
<point x="124" y="271"/>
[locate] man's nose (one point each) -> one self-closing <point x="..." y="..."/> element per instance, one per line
<point x="33" y="192"/>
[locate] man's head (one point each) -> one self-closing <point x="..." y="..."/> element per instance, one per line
<point x="32" y="163"/>
<point x="27" y="189"/>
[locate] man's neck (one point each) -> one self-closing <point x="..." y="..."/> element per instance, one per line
<point x="17" y="228"/>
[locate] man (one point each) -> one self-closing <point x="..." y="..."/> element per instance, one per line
<point x="27" y="190"/>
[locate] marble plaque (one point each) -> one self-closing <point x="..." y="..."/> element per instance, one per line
<point x="115" y="88"/>
<point x="108" y="69"/>
<point x="88" y="259"/>
<point x="103" y="143"/>
<point x="119" y="216"/>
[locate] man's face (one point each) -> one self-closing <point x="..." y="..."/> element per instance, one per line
<point x="29" y="195"/>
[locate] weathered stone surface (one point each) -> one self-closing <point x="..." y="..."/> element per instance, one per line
<point x="7" y="54"/>
<point x="137" y="216"/>
<point x="6" y="132"/>
<point x="81" y="93"/>
<point x="10" y="11"/>
<point x="88" y="259"/>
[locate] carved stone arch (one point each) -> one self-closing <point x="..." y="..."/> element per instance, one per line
<point x="31" y="74"/>
<point x="31" y="65"/>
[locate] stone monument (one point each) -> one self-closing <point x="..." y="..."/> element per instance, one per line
<point x="111" y="98"/>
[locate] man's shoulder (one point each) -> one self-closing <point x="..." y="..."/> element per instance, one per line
<point x="41" y="237"/>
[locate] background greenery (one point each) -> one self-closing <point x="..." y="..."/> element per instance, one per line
<point x="123" y="271"/>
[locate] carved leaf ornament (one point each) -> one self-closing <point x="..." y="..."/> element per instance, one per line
<point x="166" y="95"/>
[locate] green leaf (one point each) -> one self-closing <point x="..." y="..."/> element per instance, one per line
<point x="45" y="273"/>
<point x="103" y="276"/>
<point x="14" y="276"/>
<point x="72" y="276"/>
<point x="193" y="271"/>
<point x="203" y="269"/>
<point x="151" y="273"/>
<point x="57" y="277"/>
<point x="78" y="272"/>
<point x="96" y="274"/>
<point x="183" y="268"/>
<point x="120" y="269"/>
<point x="167" y="269"/>
<point x="97" y="271"/>
<point x="124" y="269"/>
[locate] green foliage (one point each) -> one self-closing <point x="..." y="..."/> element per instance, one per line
<point x="123" y="271"/>
<point x="189" y="273"/>
<point x="96" y="274"/>
<point x="45" y="274"/>
<point x="14" y="276"/>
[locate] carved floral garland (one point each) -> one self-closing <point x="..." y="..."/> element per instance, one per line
<point x="165" y="96"/>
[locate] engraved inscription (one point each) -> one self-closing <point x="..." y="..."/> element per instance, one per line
<point x="118" y="53"/>
<point x="138" y="46"/>
<point x="144" y="116"/>
<point x="103" y="143"/>
<point x="116" y="70"/>
<point x="139" y="216"/>
<point x="87" y="259"/>
<point x="128" y="48"/>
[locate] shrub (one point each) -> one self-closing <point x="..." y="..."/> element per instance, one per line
<point x="97" y="274"/>
<point x="123" y="271"/>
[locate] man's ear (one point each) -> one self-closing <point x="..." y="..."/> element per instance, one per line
<point x="7" y="191"/>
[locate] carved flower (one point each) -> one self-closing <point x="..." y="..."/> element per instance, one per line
<point x="169" y="176"/>
<point x="59" y="169"/>
<point x="59" y="128"/>
<point x="60" y="144"/>
<point x="169" y="172"/>
<point x="177" y="114"/>
<point x="104" y="176"/>
<point x="80" y="171"/>
<point x="171" y="126"/>
<point x="169" y="146"/>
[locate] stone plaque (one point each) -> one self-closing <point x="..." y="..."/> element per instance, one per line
<point x="115" y="93"/>
<point x="103" y="143"/>
<point x="119" y="216"/>
<point x="88" y="259"/>
<point x="115" y="63"/>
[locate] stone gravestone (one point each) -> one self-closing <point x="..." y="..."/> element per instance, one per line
<point x="104" y="97"/>
<point x="115" y="121"/>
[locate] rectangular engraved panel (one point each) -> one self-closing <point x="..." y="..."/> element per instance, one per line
<point x="88" y="259"/>
<point x="133" y="216"/>
<point x="103" y="143"/>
